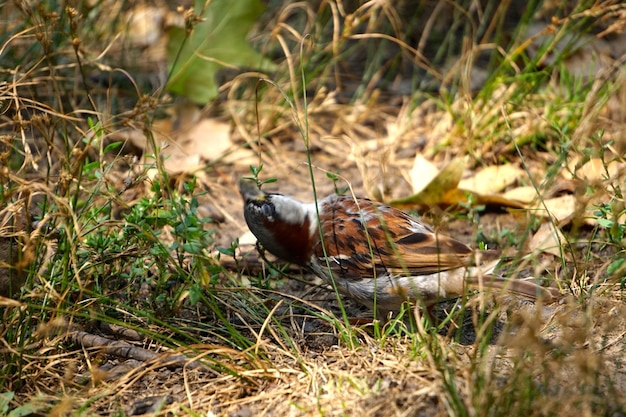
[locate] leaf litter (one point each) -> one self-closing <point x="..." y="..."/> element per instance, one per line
<point x="378" y="376"/>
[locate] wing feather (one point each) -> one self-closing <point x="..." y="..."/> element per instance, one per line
<point x="362" y="236"/>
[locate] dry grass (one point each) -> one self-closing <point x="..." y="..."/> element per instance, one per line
<point x="268" y="345"/>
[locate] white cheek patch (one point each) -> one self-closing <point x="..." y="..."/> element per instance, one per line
<point x="290" y="211"/>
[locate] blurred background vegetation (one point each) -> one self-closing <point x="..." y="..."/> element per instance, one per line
<point x="123" y="126"/>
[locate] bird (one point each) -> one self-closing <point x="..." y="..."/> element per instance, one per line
<point x="373" y="253"/>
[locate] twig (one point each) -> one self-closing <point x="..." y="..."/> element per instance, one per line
<point x="127" y="351"/>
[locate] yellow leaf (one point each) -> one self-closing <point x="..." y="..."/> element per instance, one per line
<point x="422" y="173"/>
<point x="446" y="181"/>
<point x="493" y="179"/>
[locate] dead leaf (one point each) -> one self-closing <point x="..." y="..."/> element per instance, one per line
<point x="422" y="173"/>
<point x="145" y="25"/>
<point x="177" y="160"/>
<point x="597" y="170"/>
<point x="495" y="200"/>
<point x="548" y="239"/>
<point x="210" y="138"/>
<point x="561" y="209"/>
<point x="436" y="190"/>
<point x="526" y="194"/>
<point x="185" y="140"/>
<point x="241" y="156"/>
<point x="492" y="179"/>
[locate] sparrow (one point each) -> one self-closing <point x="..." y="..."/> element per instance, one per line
<point x="371" y="252"/>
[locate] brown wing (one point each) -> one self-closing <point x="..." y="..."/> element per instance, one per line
<point x="363" y="239"/>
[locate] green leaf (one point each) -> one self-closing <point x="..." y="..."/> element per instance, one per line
<point x="217" y="41"/>
<point x="112" y="146"/>
<point x="615" y="267"/>
<point x="27" y="409"/>
<point x="195" y="294"/>
<point x="5" y="399"/>
<point x="606" y="223"/>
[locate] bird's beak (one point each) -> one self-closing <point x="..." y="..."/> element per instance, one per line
<point x="250" y="191"/>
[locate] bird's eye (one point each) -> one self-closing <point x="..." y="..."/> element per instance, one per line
<point x="267" y="210"/>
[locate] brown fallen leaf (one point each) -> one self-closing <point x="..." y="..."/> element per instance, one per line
<point x="241" y="156"/>
<point x="595" y="169"/>
<point x="548" y="239"/>
<point x="526" y="194"/>
<point x="561" y="208"/>
<point x="144" y="26"/>
<point x="185" y="140"/>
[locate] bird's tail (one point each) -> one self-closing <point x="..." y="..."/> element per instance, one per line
<point x="481" y="278"/>
<point x="515" y="286"/>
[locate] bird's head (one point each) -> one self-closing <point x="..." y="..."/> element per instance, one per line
<point x="281" y="224"/>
